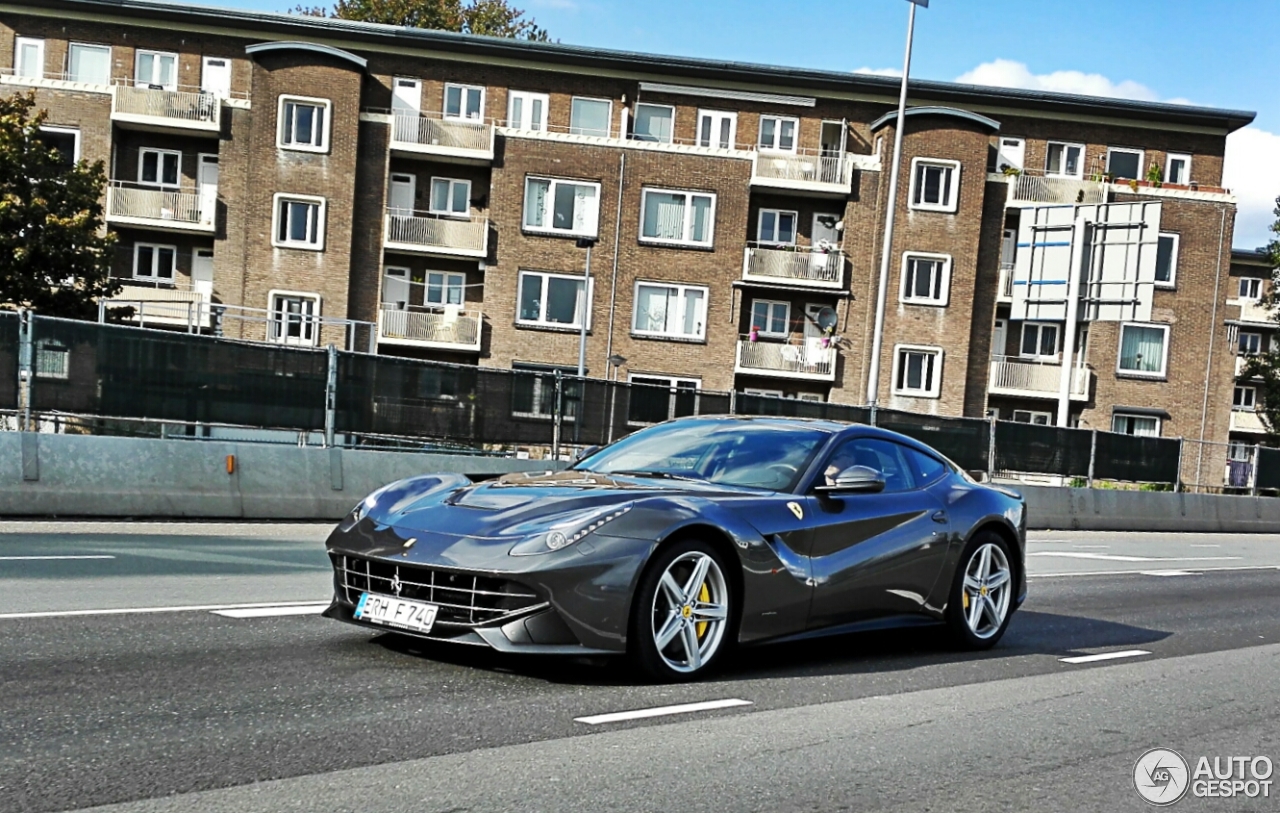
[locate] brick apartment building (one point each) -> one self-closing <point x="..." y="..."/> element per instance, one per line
<point x="304" y="175"/>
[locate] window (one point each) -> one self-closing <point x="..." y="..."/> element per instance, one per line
<point x="52" y="359"/>
<point x="533" y="391"/>
<point x="445" y="289"/>
<point x="28" y="57"/>
<point x="1143" y="349"/>
<point x="590" y="117"/>
<point x="678" y="311"/>
<point x="450" y="196"/>
<point x="1124" y="163"/>
<point x="154" y="262"/>
<point x="655" y="399"/>
<point x="1250" y="288"/>
<point x="1250" y="344"/>
<point x="926" y="278"/>
<point x="550" y="300"/>
<point x="1245" y="399"/>
<point x="1064" y="160"/>
<point x="304" y="124"/>
<point x="527" y="111"/>
<point x="299" y="222"/>
<point x="654" y="122"/>
<point x="886" y="457"/>
<point x="717" y="129"/>
<point x="1177" y="169"/>
<point x="569" y="207"/>
<point x="90" y="64"/>
<point x="770" y="318"/>
<point x="687" y="218"/>
<point x="1240" y="451"/>
<point x="463" y="102"/>
<point x="1167" y="260"/>
<point x="1144" y="425"/>
<point x="928" y="467"/>
<point x="778" y="134"/>
<point x="917" y="371"/>
<point x="1039" y="340"/>
<point x="156" y="69"/>
<point x="777" y="226"/>
<point x="159" y="167"/>
<point x="1030" y="416"/>
<point x="66" y="140"/>
<point x="294" y="318"/>
<point x="935" y="184"/>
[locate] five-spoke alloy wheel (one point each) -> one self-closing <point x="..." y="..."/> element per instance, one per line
<point x="683" y="612"/>
<point x="978" y="611"/>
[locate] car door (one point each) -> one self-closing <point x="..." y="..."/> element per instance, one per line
<point x="874" y="554"/>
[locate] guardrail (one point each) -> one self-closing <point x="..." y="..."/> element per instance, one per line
<point x="1031" y="189"/>
<point x="801" y="170"/>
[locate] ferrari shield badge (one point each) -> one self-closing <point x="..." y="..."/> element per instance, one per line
<point x="796" y="509"/>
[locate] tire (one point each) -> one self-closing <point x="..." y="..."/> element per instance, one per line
<point x="662" y="610"/>
<point x="979" y="606"/>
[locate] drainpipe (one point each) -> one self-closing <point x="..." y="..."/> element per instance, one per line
<point x="1213" y="333"/>
<point x="617" y="234"/>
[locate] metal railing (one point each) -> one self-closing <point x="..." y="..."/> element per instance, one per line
<point x="823" y="167"/>
<point x="418" y="231"/>
<point x="1247" y="421"/>
<point x="177" y="107"/>
<point x="1021" y="376"/>
<point x="794" y="264"/>
<point x="443" y="326"/>
<point x="136" y="202"/>
<point x="1255" y="311"/>
<point x="806" y="358"/>
<point x="1032" y="188"/>
<point x="1006" y="281"/>
<point x="430" y="131"/>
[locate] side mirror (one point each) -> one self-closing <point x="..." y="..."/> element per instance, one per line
<point x="855" y="479"/>
<point x="585" y="453"/>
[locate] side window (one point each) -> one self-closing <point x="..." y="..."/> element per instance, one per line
<point x="886" y="457"/>
<point x="929" y="469"/>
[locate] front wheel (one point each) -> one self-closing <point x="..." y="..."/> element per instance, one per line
<point x="682" y="614"/>
<point x="981" y="601"/>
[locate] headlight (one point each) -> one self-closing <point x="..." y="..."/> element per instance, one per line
<point x="568" y="530"/>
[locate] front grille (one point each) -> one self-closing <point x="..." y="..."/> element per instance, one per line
<point x="462" y="598"/>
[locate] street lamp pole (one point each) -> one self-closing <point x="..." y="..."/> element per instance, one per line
<point x="586" y="243"/>
<point x="877" y="336"/>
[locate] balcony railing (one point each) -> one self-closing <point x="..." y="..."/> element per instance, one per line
<point x="448" y="327"/>
<point x="1006" y="282"/>
<point x="1021" y="377"/>
<point x="789" y="265"/>
<point x="175" y="302"/>
<point x="1247" y="421"/>
<point x="183" y="109"/>
<point x="431" y="234"/>
<point x="807" y="358"/>
<point x="1254" y="311"/>
<point x="815" y="172"/>
<point x="449" y="138"/>
<point x="167" y="209"/>
<point x="1030" y="189"/>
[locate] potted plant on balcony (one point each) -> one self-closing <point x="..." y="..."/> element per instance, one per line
<point x="754" y="335"/>
<point x="1155" y="176"/>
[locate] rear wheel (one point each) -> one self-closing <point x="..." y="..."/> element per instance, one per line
<point x="981" y="601"/>
<point x="682" y="615"/>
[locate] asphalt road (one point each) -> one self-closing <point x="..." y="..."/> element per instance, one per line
<point x="178" y="709"/>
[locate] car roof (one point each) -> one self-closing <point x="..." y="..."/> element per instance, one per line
<point x="823" y="424"/>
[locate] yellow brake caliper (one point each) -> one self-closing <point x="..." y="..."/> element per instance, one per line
<point x="704" y="596"/>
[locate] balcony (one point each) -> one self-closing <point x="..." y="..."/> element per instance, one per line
<point x="818" y="174"/>
<point x="1005" y="294"/>
<point x="164" y="304"/>
<point x="445" y="328"/>
<point x="1029" y="189"/>
<point x="1251" y="310"/>
<point x="806" y="359"/>
<point x="165" y="111"/>
<point x="165" y="209"/>
<point x="433" y="235"/>
<point x="1022" y="378"/>
<point x="793" y="266"/>
<point x="456" y="140"/>
<point x="1247" y="421"/>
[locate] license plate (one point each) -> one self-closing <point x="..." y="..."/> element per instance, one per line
<point x="396" y="612"/>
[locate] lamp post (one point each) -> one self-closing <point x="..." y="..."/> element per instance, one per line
<point x="877" y="336"/>
<point x="615" y="361"/>
<point x="587" y="243"/>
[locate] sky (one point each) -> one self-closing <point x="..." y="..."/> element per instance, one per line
<point x="1220" y="53"/>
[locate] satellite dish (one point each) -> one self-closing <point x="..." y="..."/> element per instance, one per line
<point x="827" y="319"/>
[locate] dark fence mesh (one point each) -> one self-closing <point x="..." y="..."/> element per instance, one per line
<point x="1025" y="447"/>
<point x="1268" y="476"/>
<point x="793" y="408"/>
<point x="8" y="360"/>
<point x="1136" y="459"/>
<point x="966" y="441"/>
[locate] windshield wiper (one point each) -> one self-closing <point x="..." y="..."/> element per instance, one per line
<point x="664" y="475"/>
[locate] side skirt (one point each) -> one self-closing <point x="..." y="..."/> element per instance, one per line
<point x="871" y="625"/>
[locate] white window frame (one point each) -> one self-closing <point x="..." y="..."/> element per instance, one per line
<point x="151" y="274"/>
<point x="636" y="118"/>
<point x="953" y="198"/>
<point x="281" y="197"/>
<point x="453" y="183"/>
<point x="759" y="393"/>
<point x="1251" y="352"/>
<point x="575" y="130"/>
<point x="716" y="116"/>
<point x="688" y="218"/>
<point x="19" y="67"/>
<point x="452" y="279"/>
<point x="1040" y="326"/>
<point x="325" y="104"/>
<point x="543" y="379"/>
<point x="1173" y="260"/>
<point x="811" y="397"/>
<point x="1164" y="360"/>
<point x="462" y="102"/>
<point x="548" y="214"/>
<point x="1236" y="399"/>
<point x="764" y="330"/>
<point x="1032" y="414"/>
<point x="542" y="322"/>
<point x="1168" y="167"/>
<point x="44" y="354"/>
<point x="777" y="133"/>
<point x="1142" y="157"/>
<point x="71" y="46"/>
<point x="944" y="287"/>
<point x="1249" y="282"/>
<point x="156" y="55"/>
<point x="673" y="383"/>
<point x="75" y="131"/>
<point x="1066" y="145"/>
<point x="160" y="156"/>
<point x="311" y="322"/>
<point x="777" y="214"/>
<point x="935" y="388"/>
<point x="1122" y="415"/>
<point x="681" y="312"/>
<point x="527" y="98"/>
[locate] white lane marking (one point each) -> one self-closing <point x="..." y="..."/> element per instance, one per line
<point x="660" y="711"/>
<point x="43" y="558"/>
<point x="1204" y="546"/>
<point x="1105" y="656"/>
<point x="1095" y="547"/>
<point x="1114" y="557"/>
<point x="1201" y="570"/>
<point x="1168" y="573"/>
<point x="148" y="610"/>
<point x="268" y="612"/>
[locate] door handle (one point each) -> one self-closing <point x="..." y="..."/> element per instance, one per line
<point x="940" y="516"/>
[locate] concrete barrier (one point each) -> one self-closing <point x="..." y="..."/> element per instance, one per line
<point x="1092" y="509"/>
<point x="92" y="476"/>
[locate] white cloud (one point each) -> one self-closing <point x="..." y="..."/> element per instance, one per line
<point x="879" y="71"/>
<point x="1252" y="172"/>
<point x="1007" y="73"/>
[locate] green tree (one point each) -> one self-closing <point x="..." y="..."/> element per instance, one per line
<point x="55" y="256"/>
<point x="1263" y="369"/>
<point x="493" y="18"/>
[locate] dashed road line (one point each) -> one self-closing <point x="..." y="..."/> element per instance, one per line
<point x="269" y="612"/>
<point x="1198" y="570"/>
<point x="1115" y="557"/>
<point x="661" y="711"/>
<point x="152" y="610"/>
<point x="1105" y="656"/>
<point x="49" y="558"/>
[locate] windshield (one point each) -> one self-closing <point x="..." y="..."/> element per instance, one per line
<point x="735" y="453"/>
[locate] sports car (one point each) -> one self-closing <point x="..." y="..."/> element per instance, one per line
<point x="684" y="539"/>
